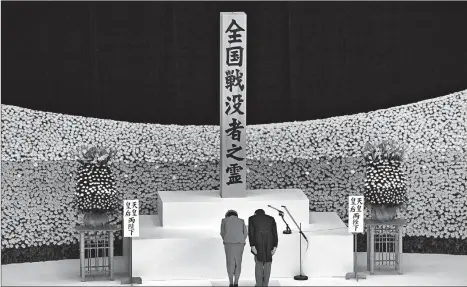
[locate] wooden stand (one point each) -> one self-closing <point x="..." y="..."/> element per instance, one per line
<point x="354" y="275"/>
<point x="99" y="245"/>
<point x="131" y="279"/>
<point x="384" y="246"/>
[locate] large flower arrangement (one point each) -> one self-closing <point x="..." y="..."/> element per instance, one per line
<point x="95" y="191"/>
<point x="168" y="165"/>
<point x="385" y="184"/>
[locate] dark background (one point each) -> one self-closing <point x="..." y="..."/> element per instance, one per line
<point x="158" y="62"/>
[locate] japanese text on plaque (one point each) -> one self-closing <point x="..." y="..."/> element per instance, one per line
<point x="131" y="218"/>
<point x="356" y="214"/>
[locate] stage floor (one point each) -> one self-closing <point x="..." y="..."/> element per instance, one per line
<point x="419" y="270"/>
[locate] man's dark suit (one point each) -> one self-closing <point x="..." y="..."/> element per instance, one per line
<point x="262" y="233"/>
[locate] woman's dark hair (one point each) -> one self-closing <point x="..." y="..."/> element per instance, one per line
<point x="231" y="213"/>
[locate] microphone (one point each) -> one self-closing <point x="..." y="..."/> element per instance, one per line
<point x="281" y="214"/>
<point x="280" y="211"/>
<point x="296" y="224"/>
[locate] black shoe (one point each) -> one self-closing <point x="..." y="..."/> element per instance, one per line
<point x="235" y="285"/>
<point x="231" y="285"/>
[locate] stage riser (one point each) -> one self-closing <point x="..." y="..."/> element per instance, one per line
<point x="204" y="209"/>
<point x="329" y="254"/>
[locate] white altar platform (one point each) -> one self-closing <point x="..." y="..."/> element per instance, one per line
<point x="183" y="241"/>
<point x="186" y="254"/>
<point x="203" y="209"/>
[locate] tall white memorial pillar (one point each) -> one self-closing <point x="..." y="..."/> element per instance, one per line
<point x="233" y="104"/>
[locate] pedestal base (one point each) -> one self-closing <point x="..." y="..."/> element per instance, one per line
<point x="353" y="275"/>
<point x="300" y="277"/>
<point x="132" y="280"/>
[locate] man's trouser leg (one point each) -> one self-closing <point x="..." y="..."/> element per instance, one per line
<point x="259" y="272"/>
<point x="266" y="273"/>
<point x="262" y="272"/>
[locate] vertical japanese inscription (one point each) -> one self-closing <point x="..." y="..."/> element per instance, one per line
<point x="233" y="104"/>
<point x="131" y="218"/>
<point x="356" y="214"/>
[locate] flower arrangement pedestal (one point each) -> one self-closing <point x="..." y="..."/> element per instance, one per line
<point x="384" y="246"/>
<point x="97" y="246"/>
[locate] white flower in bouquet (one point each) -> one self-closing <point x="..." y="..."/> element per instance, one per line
<point x="383" y="176"/>
<point x="95" y="184"/>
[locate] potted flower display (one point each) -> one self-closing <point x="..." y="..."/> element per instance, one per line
<point x="95" y="193"/>
<point x="385" y="186"/>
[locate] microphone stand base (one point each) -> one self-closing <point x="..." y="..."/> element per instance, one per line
<point x="300" y="277"/>
<point x="287" y="232"/>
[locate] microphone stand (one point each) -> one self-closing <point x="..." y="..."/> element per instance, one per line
<point x="301" y="276"/>
<point x="281" y="214"/>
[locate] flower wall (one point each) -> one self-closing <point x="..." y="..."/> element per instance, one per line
<point x="322" y="157"/>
